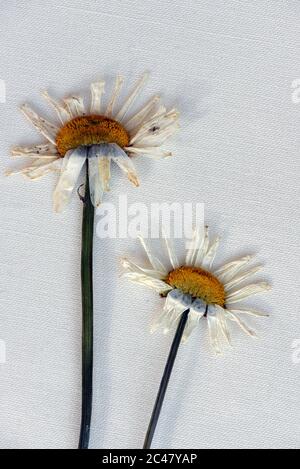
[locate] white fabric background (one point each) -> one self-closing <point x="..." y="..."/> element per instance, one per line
<point x="228" y="66"/>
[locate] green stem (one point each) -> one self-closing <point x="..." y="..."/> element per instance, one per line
<point x="87" y="315"/>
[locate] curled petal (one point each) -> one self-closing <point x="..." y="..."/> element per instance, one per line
<point x="60" y="109"/>
<point x="247" y="291"/>
<point x="156" y="126"/>
<point x="214" y="330"/>
<point x="132" y="267"/>
<point x="43" y="151"/>
<point x="193" y="246"/>
<point x="72" y="166"/>
<point x="154" y="261"/>
<point x="125" y="163"/>
<point x="210" y="255"/>
<point x="250" y="312"/>
<point x="241" y="277"/>
<point x="234" y="317"/>
<point x="171" y="251"/>
<point x="202" y="247"/>
<point x="131" y="98"/>
<point x="42" y="125"/>
<point x="228" y="271"/>
<point x="37" y="168"/>
<point x="75" y="105"/>
<point x="94" y="178"/>
<point x="197" y="311"/>
<point x="97" y="90"/>
<point x="223" y="323"/>
<point x="155" y="284"/>
<point x="116" y="91"/>
<point x="176" y="303"/>
<point x="139" y="118"/>
<point x="151" y="152"/>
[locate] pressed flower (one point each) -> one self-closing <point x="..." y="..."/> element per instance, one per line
<point x="195" y="285"/>
<point x="97" y="134"/>
<point x="91" y="138"/>
<point x="194" y="290"/>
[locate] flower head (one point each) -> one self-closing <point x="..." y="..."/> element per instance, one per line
<point x="98" y="135"/>
<point x="195" y="286"/>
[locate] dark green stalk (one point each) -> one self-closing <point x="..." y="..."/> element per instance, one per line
<point x="87" y="315"/>
<point x="165" y="380"/>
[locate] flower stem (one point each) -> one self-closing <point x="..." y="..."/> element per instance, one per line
<point x="87" y="315"/>
<point x="165" y="380"/>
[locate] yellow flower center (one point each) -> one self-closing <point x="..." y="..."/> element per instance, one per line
<point x="198" y="283"/>
<point x="90" y="130"/>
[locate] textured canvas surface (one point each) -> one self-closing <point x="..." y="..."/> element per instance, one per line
<point x="228" y="66"/>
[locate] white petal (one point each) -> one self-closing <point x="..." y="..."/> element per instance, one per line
<point x="73" y="164"/>
<point x="139" y="117"/>
<point x="157" y="138"/>
<point x="104" y="165"/>
<point x="60" y="109"/>
<point x="75" y="106"/>
<point x="155" y="284"/>
<point x="193" y="247"/>
<point x="239" y="278"/>
<point x="37" y="168"/>
<point x="197" y="311"/>
<point x="228" y="271"/>
<point x="192" y="322"/>
<point x="211" y="254"/>
<point x="97" y="90"/>
<point x="46" y="150"/>
<point x="164" y="320"/>
<point x="42" y="125"/>
<point x="154" y="126"/>
<point x="154" y="112"/>
<point x="170" y="250"/>
<point x="223" y="323"/>
<point x="250" y="312"/>
<point x="42" y="167"/>
<point x="155" y="132"/>
<point x="124" y="162"/>
<point x="129" y="101"/>
<point x="132" y="267"/>
<point x="176" y="303"/>
<point x="96" y="190"/>
<point x="151" y="152"/>
<point x="154" y="261"/>
<point x="104" y="152"/>
<point x="214" y="330"/>
<point x="234" y="317"/>
<point x="198" y="306"/>
<point x="247" y="291"/>
<point x="202" y="249"/>
<point x="116" y="91"/>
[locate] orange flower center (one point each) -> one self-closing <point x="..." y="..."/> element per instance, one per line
<point x="198" y="283"/>
<point x="90" y="130"/>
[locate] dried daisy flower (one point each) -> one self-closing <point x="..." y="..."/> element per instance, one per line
<point x="97" y="134"/>
<point x="194" y="290"/>
<point x="91" y="137"/>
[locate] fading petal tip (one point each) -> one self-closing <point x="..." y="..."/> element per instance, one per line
<point x="134" y="179"/>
